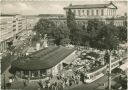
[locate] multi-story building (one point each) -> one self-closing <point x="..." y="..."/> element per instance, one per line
<point x="10" y="27"/>
<point x="84" y="21"/>
<point x="104" y="12"/>
<point x="84" y="13"/>
<point x="93" y="10"/>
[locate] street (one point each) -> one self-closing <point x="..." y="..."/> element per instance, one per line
<point x="90" y="86"/>
<point x="99" y="84"/>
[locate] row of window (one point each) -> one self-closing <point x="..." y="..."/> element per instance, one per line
<point x="3" y="46"/>
<point x="84" y="22"/>
<point x="89" y="12"/>
<point x="115" y="64"/>
<point x="97" y="73"/>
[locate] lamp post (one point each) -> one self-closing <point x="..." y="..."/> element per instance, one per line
<point x="109" y="77"/>
<point x="108" y="58"/>
<point x="109" y="66"/>
<point x="0" y="72"/>
<point x="4" y="82"/>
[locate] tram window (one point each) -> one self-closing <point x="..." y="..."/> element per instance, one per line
<point x="86" y="77"/>
<point x="114" y="65"/>
<point x="96" y="73"/>
<point x="91" y="76"/>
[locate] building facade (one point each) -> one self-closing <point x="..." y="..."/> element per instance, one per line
<point x="105" y="12"/>
<point x="84" y="21"/>
<point x="84" y="13"/>
<point x="10" y="27"/>
<point x="93" y="10"/>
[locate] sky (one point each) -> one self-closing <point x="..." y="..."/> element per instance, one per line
<point x="35" y="7"/>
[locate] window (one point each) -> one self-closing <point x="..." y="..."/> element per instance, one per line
<point x="74" y="11"/>
<point x="97" y="12"/>
<point x="87" y="12"/>
<point x="92" y="12"/>
<point x="91" y="76"/>
<point x="79" y="12"/>
<point x="83" y="12"/>
<point x="102" y="12"/>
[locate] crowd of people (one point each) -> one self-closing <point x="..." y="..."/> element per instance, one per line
<point x="60" y="82"/>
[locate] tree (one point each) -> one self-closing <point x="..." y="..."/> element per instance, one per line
<point x="73" y="27"/>
<point x="92" y="31"/>
<point x="108" y="37"/>
<point x="71" y="23"/>
<point x="44" y="26"/>
<point x="61" y="33"/>
<point x="10" y="47"/>
<point x="122" y="33"/>
<point x="65" y="41"/>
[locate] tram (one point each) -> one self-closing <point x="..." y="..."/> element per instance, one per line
<point x="92" y="76"/>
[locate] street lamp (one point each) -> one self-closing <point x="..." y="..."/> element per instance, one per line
<point x="109" y="78"/>
<point x="4" y="82"/>
<point x="108" y="58"/>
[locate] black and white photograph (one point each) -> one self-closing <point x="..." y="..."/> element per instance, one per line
<point x="63" y="45"/>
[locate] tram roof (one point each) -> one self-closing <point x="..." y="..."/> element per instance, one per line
<point x="43" y="59"/>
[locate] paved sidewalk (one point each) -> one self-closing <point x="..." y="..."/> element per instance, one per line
<point x="73" y="86"/>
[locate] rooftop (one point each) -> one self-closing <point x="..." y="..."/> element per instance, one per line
<point x="9" y="15"/>
<point x="46" y="15"/>
<point x="88" y="6"/>
<point x="43" y="59"/>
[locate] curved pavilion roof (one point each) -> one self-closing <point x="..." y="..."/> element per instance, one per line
<point x="43" y="59"/>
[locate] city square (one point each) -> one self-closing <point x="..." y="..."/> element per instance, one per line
<point x="75" y="46"/>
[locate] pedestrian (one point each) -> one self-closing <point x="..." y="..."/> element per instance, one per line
<point x="56" y="86"/>
<point x="24" y="83"/>
<point x="48" y="84"/>
<point x="63" y="84"/>
<point x="40" y="84"/>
